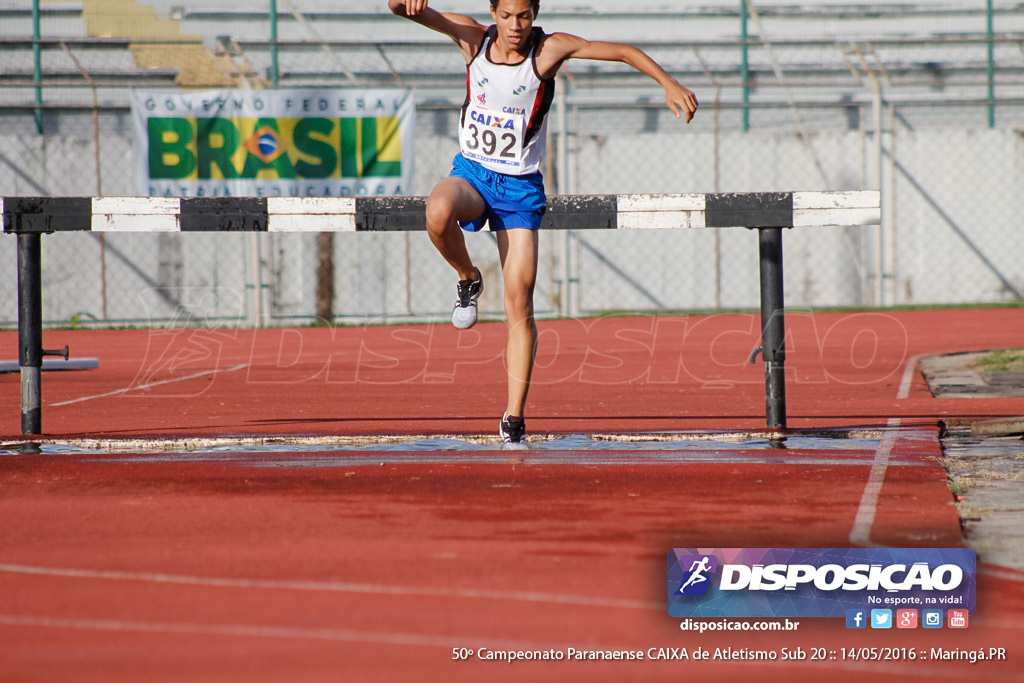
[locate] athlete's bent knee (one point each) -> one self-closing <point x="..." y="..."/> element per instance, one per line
<point x="439" y="215"/>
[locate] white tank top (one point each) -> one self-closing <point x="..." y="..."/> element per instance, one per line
<point x="504" y="123"/>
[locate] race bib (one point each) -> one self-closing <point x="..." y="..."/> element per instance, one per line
<point x="492" y="137"/>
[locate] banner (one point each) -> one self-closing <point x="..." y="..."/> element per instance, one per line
<point x="274" y="143"/>
<point x="822" y="582"/>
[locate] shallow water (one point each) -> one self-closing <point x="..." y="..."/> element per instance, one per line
<point x="835" y="447"/>
<point x="662" y="441"/>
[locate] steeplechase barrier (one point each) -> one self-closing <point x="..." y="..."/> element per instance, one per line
<point x="767" y="212"/>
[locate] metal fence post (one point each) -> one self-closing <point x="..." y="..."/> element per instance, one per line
<point x="745" y="64"/>
<point x="990" y="71"/>
<point x="275" y="71"/>
<point x="37" y="68"/>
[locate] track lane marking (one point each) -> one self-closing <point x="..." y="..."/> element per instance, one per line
<point x="860" y="534"/>
<point x="332" y="587"/>
<point x="150" y="385"/>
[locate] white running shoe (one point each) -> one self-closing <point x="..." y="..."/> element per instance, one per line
<point x="513" y="433"/>
<point x="464" y="314"/>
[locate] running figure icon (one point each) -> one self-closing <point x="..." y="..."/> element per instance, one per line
<point x="697" y="573"/>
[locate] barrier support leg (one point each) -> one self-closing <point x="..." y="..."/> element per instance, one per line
<point x="30" y="331"/>
<point x="773" y="327"/>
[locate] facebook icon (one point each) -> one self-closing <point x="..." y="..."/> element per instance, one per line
<point x="856" y="618"/>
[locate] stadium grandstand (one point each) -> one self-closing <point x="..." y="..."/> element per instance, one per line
<point x="921" y="100"/>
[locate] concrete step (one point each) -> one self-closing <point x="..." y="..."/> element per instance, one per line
<point x="139" y="22"/>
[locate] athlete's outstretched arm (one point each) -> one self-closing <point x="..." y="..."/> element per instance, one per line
<point x="465" y="31"/>
<point x="562" y="46"/>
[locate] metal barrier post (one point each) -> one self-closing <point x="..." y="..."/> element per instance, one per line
<point x="30" y="331"/>
<point x="773" y="327"/>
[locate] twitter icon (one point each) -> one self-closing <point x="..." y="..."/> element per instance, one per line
<point x="881" y="618"/>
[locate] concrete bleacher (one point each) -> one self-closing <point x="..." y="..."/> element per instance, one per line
<point x="924" y="49"/>
<point x="156" y="42"/>
<point x="104" y="59"/>
<point x="327" y="41"/>
<point x="59" y="19"/>
<point x="111" y="40"/>
<point x="640" y="20"/>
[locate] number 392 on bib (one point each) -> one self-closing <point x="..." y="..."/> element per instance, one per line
<point x="493" y="139"/>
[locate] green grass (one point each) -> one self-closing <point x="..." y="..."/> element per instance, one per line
<point x="1003" y="360"/>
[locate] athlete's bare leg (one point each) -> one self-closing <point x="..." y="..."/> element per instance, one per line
<point x="517" y="248"/>
<point x="452" y="200"/>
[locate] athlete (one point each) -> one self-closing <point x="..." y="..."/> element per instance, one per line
<point x="510" y="83"/>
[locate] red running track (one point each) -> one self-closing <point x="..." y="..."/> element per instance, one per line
<point x="329" y="566"/>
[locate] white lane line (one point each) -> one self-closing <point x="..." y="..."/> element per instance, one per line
<point x="860" y="535"/>
<point x="333" y="587"/>
<point x="1007" y="573"/>
<point x="908" y="377"/>
<point x="865" y="518"/>
<point x="150" y="385"/>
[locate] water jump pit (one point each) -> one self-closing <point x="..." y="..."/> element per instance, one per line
<point x="834" y="447"/>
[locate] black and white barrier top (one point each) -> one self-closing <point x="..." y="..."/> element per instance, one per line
<point x="356" y="214"/>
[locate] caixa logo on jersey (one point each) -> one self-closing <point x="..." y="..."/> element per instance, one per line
<point x="817" y="582"/>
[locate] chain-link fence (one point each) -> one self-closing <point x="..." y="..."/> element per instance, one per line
<point x="824" y="115"/>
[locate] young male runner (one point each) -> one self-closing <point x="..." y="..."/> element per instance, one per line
<point x="510" y="83"/>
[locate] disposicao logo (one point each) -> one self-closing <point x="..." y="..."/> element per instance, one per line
<point x="818" y="582"/>
<point x="697" y="581"/>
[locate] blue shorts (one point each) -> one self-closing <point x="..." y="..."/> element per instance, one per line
<point x="512" y="201"/>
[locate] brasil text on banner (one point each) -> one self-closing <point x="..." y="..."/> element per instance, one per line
<point x="274" y="143"/>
